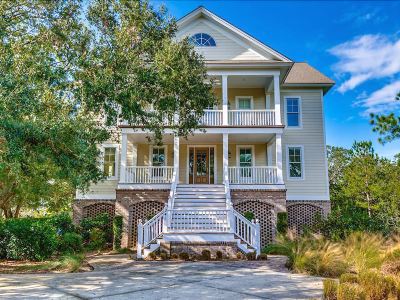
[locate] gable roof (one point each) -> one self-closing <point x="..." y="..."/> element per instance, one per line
<point x="203" y="12"/>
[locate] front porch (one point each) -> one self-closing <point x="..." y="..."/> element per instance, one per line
<point x="242" y="161"/>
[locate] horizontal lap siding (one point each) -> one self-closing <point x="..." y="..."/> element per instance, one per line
<point x="258" y="95"/>
<point x="311" y="136"/>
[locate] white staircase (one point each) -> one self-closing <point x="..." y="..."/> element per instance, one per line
<point x="198" y="213"/>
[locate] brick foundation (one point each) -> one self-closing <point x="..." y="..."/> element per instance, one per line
<point x="83" y="208"/>
<point x="305" y="213"/>
<point x="228" y="249"/>
<point x="133" y="205"/>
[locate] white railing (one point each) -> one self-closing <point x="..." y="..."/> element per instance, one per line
<point x="253" y="175"/>
<point x="150" y="230"/>
<point x="148" y="174"/>
<point x="199" y="221"/>
<point x="211" y="118"/>
<point x="251" y="117"/>
<point x="247" y="231"/>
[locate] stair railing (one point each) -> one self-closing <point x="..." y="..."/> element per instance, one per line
<point x="247" y="231"/>
<point x="150" y="230"/>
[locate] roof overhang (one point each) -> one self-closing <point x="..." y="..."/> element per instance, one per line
<point x="324" y="86"/>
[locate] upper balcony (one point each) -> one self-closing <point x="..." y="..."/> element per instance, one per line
<point x="239" y="118"/>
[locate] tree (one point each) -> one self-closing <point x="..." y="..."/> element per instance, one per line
<point x="388" y="126"/>
<point x="137" y="70"/>
<point x="48" y="142"/>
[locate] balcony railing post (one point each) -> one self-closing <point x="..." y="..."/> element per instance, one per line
<point x="224" y="100"/>
<point x="277" y="98"/>
<point x="139" y="243"/>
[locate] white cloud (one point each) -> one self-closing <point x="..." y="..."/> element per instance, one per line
<point x="369" y="57"/>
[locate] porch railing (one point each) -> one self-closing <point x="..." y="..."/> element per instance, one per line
<point x="251" y="117"/>
<point x="253" y="175"/>
<point x="148" y="174"/>
<point x="199" y="221"/>
<point x="211" y="118"/>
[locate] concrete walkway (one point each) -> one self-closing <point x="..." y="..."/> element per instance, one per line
<point x="167" y="280"/>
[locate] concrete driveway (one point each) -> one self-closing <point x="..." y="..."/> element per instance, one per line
<point x="167" y="280"/>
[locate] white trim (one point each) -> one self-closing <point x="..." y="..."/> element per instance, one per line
<point x="325" y="151"/>
<point x="257" y="186"/>
<point x="102" y="148"/>
<point x="213" y="130"/>
<point x="300" y="113"/>
<point x="89" y="196"/>
<point x="151" y="154"/>
<point x="238" y="147"/>
<point x="215" y="160"/>
<point x="269" y="154"/>
<point x="144" y="186"/>
<point x="302" y="163"/>
<point x="244" y="97"/>
<point x="307" y="197"/>
<point x="244" y="72"/>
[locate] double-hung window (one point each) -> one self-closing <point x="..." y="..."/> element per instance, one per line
<point x="293" y="112"/>
<point x="244" y="102"/>
<point x="109" y="166"/>
<point x="245" y="161"/>
<point x="295" y="162"/>
<point x="158" y="160"/>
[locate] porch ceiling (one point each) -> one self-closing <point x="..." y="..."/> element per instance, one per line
<point x="248" y="81"/>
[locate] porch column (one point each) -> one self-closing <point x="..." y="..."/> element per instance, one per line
<point x="278" y="144"/>
<point x="124" y="149"/>
<point x="225" y="159"/>
<point x="277" y="98"/>
<point x="176" y="159"/>
<point x="224" y="99"/>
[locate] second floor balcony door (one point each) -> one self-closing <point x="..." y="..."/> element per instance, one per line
<point x="201" y="166"/>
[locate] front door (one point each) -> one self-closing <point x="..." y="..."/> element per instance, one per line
<point x="201" y="166"/>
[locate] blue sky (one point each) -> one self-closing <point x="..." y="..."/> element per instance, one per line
<point x="355" y="43"/>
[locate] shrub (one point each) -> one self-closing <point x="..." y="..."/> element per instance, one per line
<point x="117" y="232"/>
<point x="183" y="256"/>
<point x="263" y="256"/>
<point x="62" y="223"/>
<point x="164" y="255"/>
<point x="239" y="255"/>
<point x="27" y="238"/>
<point x="282" y="222"/>
<point x="174" y="256"/>
<point x="348" y="277"/>
<point x="97" y="239"/>
<point x="249" y="215"/>
<point x="206" y="255"/>
<point x="219" y="255"/>
<point x="391" y="267"/>
<point x="251" y="255"/>
<point x="70" y="242"/>
<point x="330" y="289"/>
<point x="152" y="256"/>
<point x="374" y="285"/>
<point x="348" y="291"/>
<point x="101" y="222"/>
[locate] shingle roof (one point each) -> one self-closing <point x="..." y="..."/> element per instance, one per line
<point x="303" y="73"/>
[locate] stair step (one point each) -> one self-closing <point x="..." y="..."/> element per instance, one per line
<point x="200" y="201"/>
<point x="200" y="205"/>
<point x="205" y="197"/>
<point x="200" y="190"/>
<point x="201" y="185"/>
<point x="207" y="192"/>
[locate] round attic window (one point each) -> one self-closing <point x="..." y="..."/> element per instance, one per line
<point x="202" y="40"/>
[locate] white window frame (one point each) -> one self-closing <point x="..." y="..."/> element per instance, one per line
<point x="102" y="149"/>
<point x="253" y="158"/>
<point x="151" y="154"/>
<point x="237" y="102"/>
<point x="215" y="160"/>
<point x="300" y="113"/>
<point x="288" y="163"/>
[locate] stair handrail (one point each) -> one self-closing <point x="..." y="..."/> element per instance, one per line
<point x="150" y="230"/>
<point x="247" y="231"/>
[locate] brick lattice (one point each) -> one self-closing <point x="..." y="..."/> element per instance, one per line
<point x="264" y="212"/>
<point x="303" y="214"/>
<point x="96" y="209"/>
<point x="141" y="211"/>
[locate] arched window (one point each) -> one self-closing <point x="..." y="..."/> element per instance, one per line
<point x="202" y="40"/>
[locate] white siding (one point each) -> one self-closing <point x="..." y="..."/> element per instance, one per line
<point x="311" y="137"/>
<point x="228" y="47"/>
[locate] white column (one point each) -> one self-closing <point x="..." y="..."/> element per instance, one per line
<point x="225" y="160"/>
<point x="176" y="159"/>
<point x="124" y="149"/>
<point x="277" y="98"/>
<point x="278" y="144"/>
<point x="269" y="154"/>
<point x="134" y="155"/>
<point x="224" y="100"/>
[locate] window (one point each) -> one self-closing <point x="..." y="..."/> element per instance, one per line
<point x="244" y="102"/>
<point x="245" y="161"/>
<point x="293" y="111"/>
<point x="295" y="162"/>
<point x="158" y="160"/>
<point x="109" y="161"/>
<point x="202" y="40"/>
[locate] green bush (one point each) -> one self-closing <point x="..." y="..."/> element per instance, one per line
<point x="251" y="255"/>
<point x="184" y="256"/>
<point x="27" y="238"/>
<point x="117" y="232"/>
<point x="70" y="242"/>
<point x="174" y="256"/>
<point x="282" y="222"/>
<point x="249" y="215"/>
<point x="330" y="289"/>
<point x="219" y="255"/>
<point x="164" y="255"/>
<point x="152" y="256"/>
<point x="263" y="256"/>
<point x="348" y="277"/>
<point x="100" y="222"/>
<point x="97" y="239"/>
<point x="62" y="223"/>
<point x="206" y="255"/>
<point x="348" y="291"/>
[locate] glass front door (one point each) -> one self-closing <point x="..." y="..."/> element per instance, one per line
<point x="201" y="165"/>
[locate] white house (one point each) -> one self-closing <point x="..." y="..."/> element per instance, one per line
<point x="263" y="152"/>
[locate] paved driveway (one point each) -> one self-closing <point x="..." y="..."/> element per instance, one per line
<point x="167" y="280"/>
